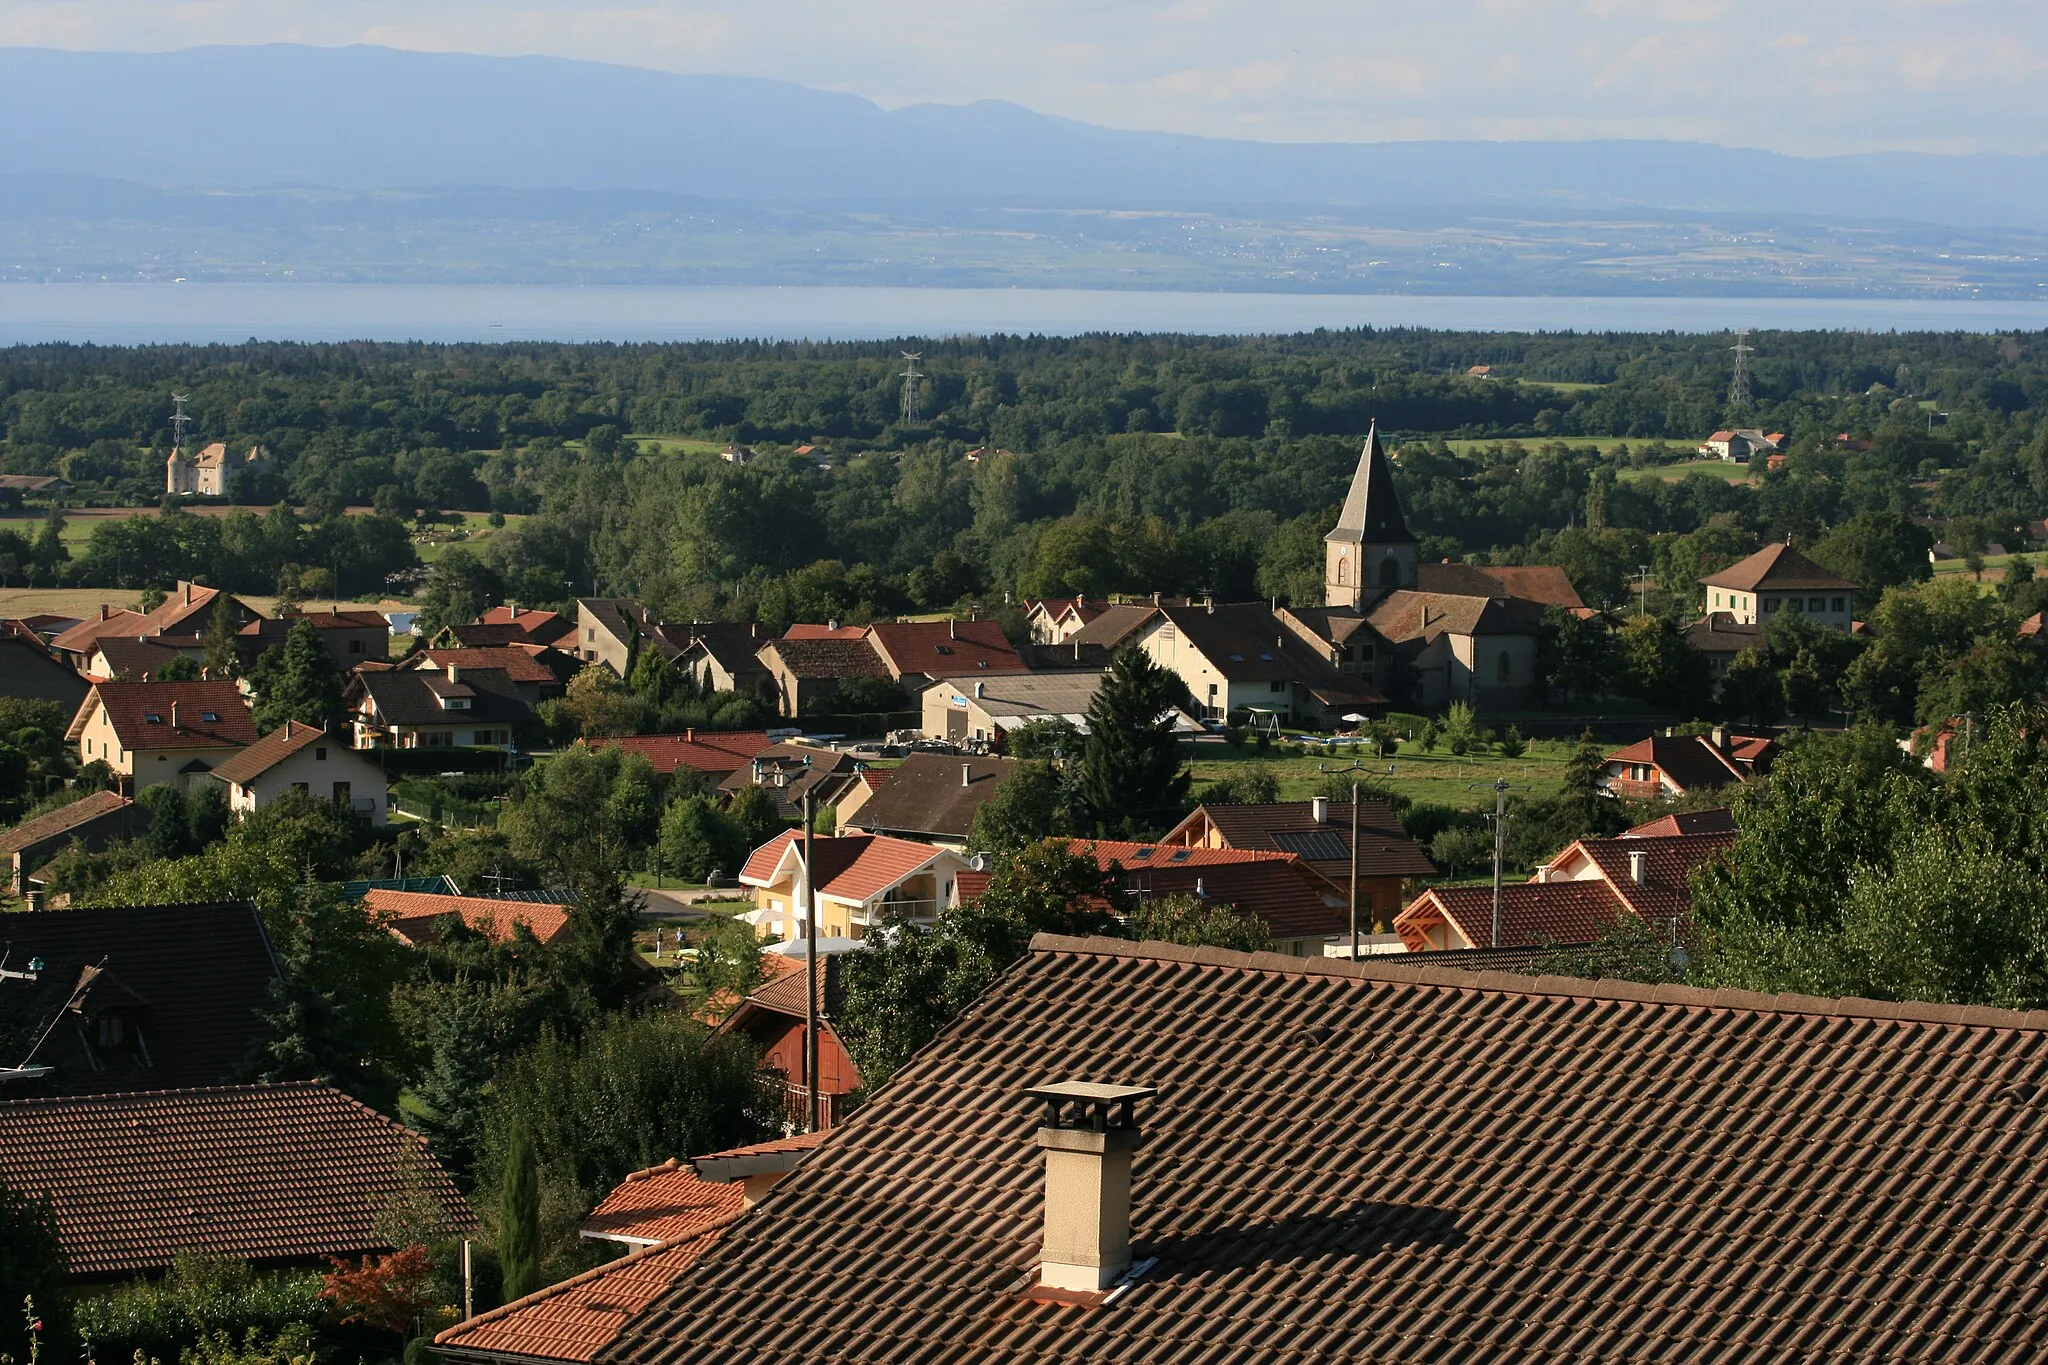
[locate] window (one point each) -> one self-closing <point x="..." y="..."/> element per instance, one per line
<point x="320" y="755"/>
<point x="945" y="649"/>
<point x="1816" y="604"/>
<point x="1503" y="667"/>
<point x="1717" y="599"/>
<point x="1639" y="772"/>
<point x="1278" y="686"/>
<point x="210" y="717"/>
<point x="1790" y="604"/>
<point x="152" y="718"/>
<point x="355" y="646"/>
<point x="1343" y="571"/>
<point x="1390" y="573"/>
<point x="1841" y="604"/>
<point x="1770" y="605"/>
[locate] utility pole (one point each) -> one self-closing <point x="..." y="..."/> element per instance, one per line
<point x="1643" y="583"/>
<point x="1355" y="768"/>
<point x="1501" y="788"/>
<point x="810" y="971"/>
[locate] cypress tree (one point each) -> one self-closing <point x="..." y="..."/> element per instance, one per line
<point x="304" y="685"/>
<point x="519" y="1217"/>
<point x="220" y="639"/>
<point x="1132" y="777"/>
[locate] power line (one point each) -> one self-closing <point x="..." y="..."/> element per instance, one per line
<point x="912" y="378"/>
<point x="1738" y="383"/>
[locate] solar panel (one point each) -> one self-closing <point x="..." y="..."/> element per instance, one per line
<point x="1316" y="845"/>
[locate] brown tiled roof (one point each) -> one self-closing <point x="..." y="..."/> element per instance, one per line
<point x="52" y="823"/>
<point x="827" y="657"/>
<point x="1246" y="642"/>
<point x="250" y="1173"/>
<point x="521" y="663"/>
<point x="1384" y="848"/>
<point x="409" y="697"/>
<point x="1719" y="633"/>
<point x="1666" y="891"/>
<point x="574" y="1320"/>
<point x="1114" y="626"/>
<point x="663" y="1203"/>
<point x="1406" y="616"/>
<point x="1289" y="898"/>
<point x="195" y="980"/>
<point x="925" y="796"/>
<point x="785" y="994"/>
<point x="804" y="630"/>
<point x="137" y="659"/>
<point x="541" y="627"/>
<point x="271" y="750"/>
<point x="1542" y="583"/>
<point x="417" y="916"/>
<point x="715" y="752"/>
<point x="1531" y="913"/>
<point x="1378" y="1162"/>
<point x="1777" y="566"/>
<point x="944" y="648"/>
<point x="80" y="638"/>
<point x="274" y="629"/>
<point x="1716" y="821"/>
<point x="130" y="705"/>
<point x="1693" y="763"/>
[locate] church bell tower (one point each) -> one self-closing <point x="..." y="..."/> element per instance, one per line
<point x="1370" y="552"/>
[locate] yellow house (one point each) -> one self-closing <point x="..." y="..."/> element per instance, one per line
<point x="161" y="732"/>
<point x="863" y="881"/>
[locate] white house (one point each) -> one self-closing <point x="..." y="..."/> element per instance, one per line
<point x="304" y="758"/>
<point x="863" y="880"/>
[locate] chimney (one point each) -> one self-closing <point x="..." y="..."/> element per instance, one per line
<point x="831" y="623"/>
<point x="186" y="588"/>
<point x="103" y="611"/>
<point x="1639" y="867"/>
<point x="952" y="629"/>
<point x="454" y="673"/>
<point x="174" y="715"/>
<point x="966" y="774"/>
<point x="1200" y="893"/>
<point x="1155" y="599"/>
<point x="1721" y="738"/>
<point x="689" y="734"/>
<point x="1319" y="809"/>
<point x="1089" y="1134"/>
<point x="1209" y="603"/>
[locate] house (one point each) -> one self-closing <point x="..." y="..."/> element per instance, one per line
<point x="351" y="637"/>
<point x="31" y="670"/>
<point x="424" y="708"/>
<point x="1572" y="898"/>
<point x="134" y="997"/>
<point x="1054" y="620"/>
<point x="724" y="658"/>
<point x="986" y="710"/>
<point x="96" y="820"/>
<point x="1147" y="1152"/>
<point x="792" y="771"/>
<point x="269" y="1174"/>
<point x="1370" y="550"/>
<point x="736" y="454"/>
<point x="717" y="754"/>
<point x="212" y="473"/>
<point x="1717" y="821"/>
<point x="1479" y="372"/>
<point x="1241" y="657"/>
<point x="1739" y="445"/>
<point x="863" y="881"/>
<point x="1779" y="578"/>
<point x="610" y="630"/>
<point x="931" y="798"/>
<point x="1318" y="831"/>
<point x="418" y="917"/>
<point x="182" y="617"/>
<point x="805" y="673"/>
<point x="1115" y="626"/>
<point x="1299" y="907"/>
<point x="1720" y="637"/>
<point x="831" y="630"/>
<point x="771" y="1017"/>
<point x="305" y="758"/>
<point x="1670" y="764"/>
<point x="512" y="624"/>
<point x="152" y="732"/>
<point x="1472" y="649"/>
<point x="917" y="652"/>
<point x="118" y="658"/>
<point x="671" y="1215"/>
<point x="537" y="673"/>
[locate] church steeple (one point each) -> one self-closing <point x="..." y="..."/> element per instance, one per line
<point x="1371" y="547"/>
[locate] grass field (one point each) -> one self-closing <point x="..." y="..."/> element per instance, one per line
<point x="1671" y="473"/>
<point x="1439" y="777"/>
<point x="1994" y="569"/>
<point x="1468" y="445"/>
<point x="479" y="529"/>
<point x="667" y="445"/>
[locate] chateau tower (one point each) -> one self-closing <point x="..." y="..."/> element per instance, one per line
<point x="1370" y="550"/>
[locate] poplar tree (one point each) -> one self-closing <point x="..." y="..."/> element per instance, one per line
<point x="519" y="1217"/>
<point x="220" y="639"/>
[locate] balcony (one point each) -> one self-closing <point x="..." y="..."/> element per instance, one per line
<point x="881" y="912"/>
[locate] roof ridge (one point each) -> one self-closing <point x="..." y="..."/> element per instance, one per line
<point x="251" y="1087"/>
<point x="1383" y="969"/>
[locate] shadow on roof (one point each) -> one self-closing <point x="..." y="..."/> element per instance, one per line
<point x="1365" y="1230"/>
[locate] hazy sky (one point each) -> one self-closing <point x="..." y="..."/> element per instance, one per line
<point x="1792" y="75"/>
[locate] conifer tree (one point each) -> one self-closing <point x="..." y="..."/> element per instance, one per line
<point x="304" y="684"/>
<point x="1132" y="775"/>
<point x="519" y="1217"/>
<point x="220" y="639"/>
<point x="458" y="1072"/>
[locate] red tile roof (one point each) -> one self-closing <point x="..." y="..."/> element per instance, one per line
<point x="707" y="751"/>
<point x="851" y="867"/>
<point x="1401" y="1164"/>
<point x="663" y="1203"/>
<point x="129" y="706"/>
<point x="1384" y="848"/>
<point x="1716" y="821"/>
<point x="271" y="750"/>
<point x="1692" y="763"/>
<point x="945" y="649"/>
<point x="417" y="916"/>
<point x="1291" y="899"/>
<point x="1531" y="913"/>
<point x="250" y="1173"/>
<point x="574" y="1320"/>
<point x="803" y="630"/>
<point x="1665" y="892"/>
<point x="520" y="662"/>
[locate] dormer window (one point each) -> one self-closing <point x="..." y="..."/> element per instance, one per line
<point x="945" y="649"/>
<point x="210" y="717"/>
<point x="153" y="718"/>
<point x="455" y="703"/>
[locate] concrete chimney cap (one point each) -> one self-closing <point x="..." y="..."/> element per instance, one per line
<point x="1090" y="1103"/>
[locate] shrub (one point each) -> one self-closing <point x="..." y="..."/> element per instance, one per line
<point x="1512" y="745"/>
<point x="200" y="1297"/>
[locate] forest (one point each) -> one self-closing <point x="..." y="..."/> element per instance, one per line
<point x="1100" y="463"/>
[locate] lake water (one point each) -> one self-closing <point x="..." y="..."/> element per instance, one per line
<point x="132" y="314"/>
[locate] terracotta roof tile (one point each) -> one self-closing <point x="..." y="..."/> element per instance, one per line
<point x="944" y="648"/>
<point x="1531" y="913"/>
<point x="1777" y="566"/>
<point x="521" y="663"/>
<point x="1454" y="1167"/>
<point x="144" y="720"/>
<point x="1716" y="821"/>
<point x="256" y="1173"/>
<point x="69" y="816"/>
<point x="851" y="867"/>
<point x="419" y="915"/>
<point x="574" y="1320"/>
<point x="664" y="1203"/>
<point x="706" y="751"/>
<point x="1384" y="848"/>
<point x="834" y="656"/>
<point x="271" y="750"/>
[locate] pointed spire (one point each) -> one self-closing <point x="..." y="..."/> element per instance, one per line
<point x="1372" y="510"/>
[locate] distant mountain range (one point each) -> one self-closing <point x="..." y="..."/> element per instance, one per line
<point x="191" y="133"/>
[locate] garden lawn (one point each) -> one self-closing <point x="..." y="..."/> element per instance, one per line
<point x="1725" y="470"/>
<point x="1439" y="777"/>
